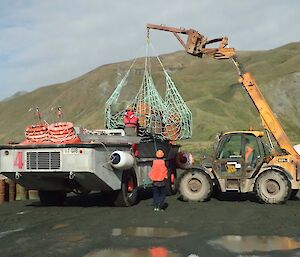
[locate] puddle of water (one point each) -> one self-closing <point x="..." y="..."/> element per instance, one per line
<point x="58" y="226"/>
<point x="5" y="233"/>
<point x="133" y="252"/>
<point x="251" y="255"/>
<point x="247" y="244"/>
<point x="148" y="232"/>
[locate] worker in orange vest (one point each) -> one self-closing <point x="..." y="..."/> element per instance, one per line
<point x="248" y="152"/>
<point x="159" y="174"/>
<point x="131" y="122"/>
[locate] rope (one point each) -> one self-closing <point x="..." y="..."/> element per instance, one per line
<point x="157" y="57"/>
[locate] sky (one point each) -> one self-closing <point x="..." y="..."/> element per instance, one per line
<point x="43" y="42"/>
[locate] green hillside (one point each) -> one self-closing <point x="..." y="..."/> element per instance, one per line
<point x="209" y="87"/>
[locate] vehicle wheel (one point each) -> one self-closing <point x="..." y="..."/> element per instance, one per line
<point x="273" y="187"/>
<point x="79" y="191"/>
<point x="49" y="198"/>
<point x="294" y="194"/>
<point x="171" y="188"/>
<point x="195" y="186"/>
<point x="128" y="195"/>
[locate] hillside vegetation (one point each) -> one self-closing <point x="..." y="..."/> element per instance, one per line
<point x="209" y="87"/>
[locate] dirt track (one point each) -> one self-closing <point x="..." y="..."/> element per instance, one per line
<point x="86" y="227"/>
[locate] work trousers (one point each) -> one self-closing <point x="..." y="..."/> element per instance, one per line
<point x="159" y="196"/>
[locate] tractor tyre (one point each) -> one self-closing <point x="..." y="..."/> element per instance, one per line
<point x="273" y="187"/>
<point x="195" y="186"/>
<point x="128" y="195"/>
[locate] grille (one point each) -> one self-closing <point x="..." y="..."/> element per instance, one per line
<point x="43" y="160"/>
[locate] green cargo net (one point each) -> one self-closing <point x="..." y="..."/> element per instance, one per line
<point x="166" y="118"/>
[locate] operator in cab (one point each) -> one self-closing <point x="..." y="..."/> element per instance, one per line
<point x="249" y="152"/>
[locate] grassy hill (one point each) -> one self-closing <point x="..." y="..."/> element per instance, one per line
<point x="209" y="87"/>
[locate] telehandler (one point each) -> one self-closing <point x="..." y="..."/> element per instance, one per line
<point x="242" y="162"/>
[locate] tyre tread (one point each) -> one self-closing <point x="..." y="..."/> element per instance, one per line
<point x="266" y="199"/>
<point x="205" y="196"/>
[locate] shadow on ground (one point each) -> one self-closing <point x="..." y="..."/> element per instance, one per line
<point x="94" y="199"/>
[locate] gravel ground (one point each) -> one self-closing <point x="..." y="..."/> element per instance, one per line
<point x="89" y="226"/>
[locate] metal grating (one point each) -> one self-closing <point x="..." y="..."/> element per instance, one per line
<point x="43" y="160"/>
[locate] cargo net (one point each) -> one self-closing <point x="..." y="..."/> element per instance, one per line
<point x="167" y="118"/>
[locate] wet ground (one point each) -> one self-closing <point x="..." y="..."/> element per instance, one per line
<point x="89" y="227"/>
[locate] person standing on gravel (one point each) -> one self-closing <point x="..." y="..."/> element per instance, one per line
<point x="159" y="174"/>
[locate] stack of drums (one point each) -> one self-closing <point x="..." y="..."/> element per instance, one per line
<point x="7" y="190"/>
<point x="21" y="193"/>
<point x="33" y="195"/>
<point x="10" y="191"/>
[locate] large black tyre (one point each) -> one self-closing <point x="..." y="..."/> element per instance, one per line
<point x="195" y="186"/>
<point x="171" y="187"/>
<point x="50" y="198"/>
<point x="273" y="187"/>
<point x="128" y="195"/>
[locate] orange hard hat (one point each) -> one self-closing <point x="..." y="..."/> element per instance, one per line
<point x="160" y="154"/>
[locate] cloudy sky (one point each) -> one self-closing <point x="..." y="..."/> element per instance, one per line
<point x="48" y="41"/>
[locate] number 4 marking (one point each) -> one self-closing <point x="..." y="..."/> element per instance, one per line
<point x="19" y="160"/>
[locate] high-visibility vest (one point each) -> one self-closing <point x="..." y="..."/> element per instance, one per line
<point x="130" y="119"/>
<point x="249" y="151"/>
<point x="159" y="170"/>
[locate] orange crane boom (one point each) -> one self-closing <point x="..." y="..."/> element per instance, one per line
<point x="196" y="45"/>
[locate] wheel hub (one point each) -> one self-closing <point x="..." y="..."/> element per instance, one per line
<point x="272" y="187"/>
<point x="195" y="185"/>
<point x="130" y="185"/>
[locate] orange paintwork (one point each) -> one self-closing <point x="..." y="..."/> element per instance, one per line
<point x="269" y="120"/>
<point x="252" y="132"/>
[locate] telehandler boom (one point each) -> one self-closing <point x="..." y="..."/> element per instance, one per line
<point x="273" y="176"/>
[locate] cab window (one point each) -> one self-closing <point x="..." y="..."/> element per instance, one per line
<point x="231" y="147"/>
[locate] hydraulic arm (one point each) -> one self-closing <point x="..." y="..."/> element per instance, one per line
<point x="196" y="45"/>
